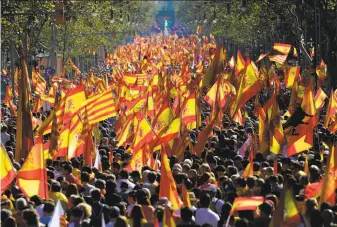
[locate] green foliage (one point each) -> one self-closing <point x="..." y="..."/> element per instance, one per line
<point x="88" y="24"/>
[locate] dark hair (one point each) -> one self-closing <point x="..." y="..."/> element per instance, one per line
<point x="124" y="174"/>
<point x="100" y="184"/>
<point x="36" y="199"/>
<point x="5" y="214"/>
<point x="48" y="207"/>
<point x="205" y="200"/>
<point x="111" y="186"/>
<point x="85" y="177"/>
<point x="55" y="187"/>
<point x="186" y="214"/>
<point x="242" y="222"/>
<point x="10" y="222"/>
<point x="68" y="168"/>
<point x="151" y="176"/>
<point x="71" y="190"/>
<point x="31" y="217"/>
<point x="77" y="212"/>
<point x="137" y="215"/>
<point x="96" y="195"/>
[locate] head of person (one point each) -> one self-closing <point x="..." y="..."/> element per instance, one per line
<point x="114" y="213"/>
<point x="56" y="187"/>
<point x="137" y="215"/>
<point x="85" y="177"/>
<point x="10" y="222"/>
<point x="71" y="190"/>
<point x="242" y="222"/>
<point x="186" y="214"/>
<point x="48" y="208"/>
<point x="36" y="199"/>
<point x="30" y="217"/>
<point x="76" y="214"/>
<point x="265" y="209"/>
<point x="205" y="200"/>
<point x="95" y="195"/>
<point x="21" y="204"/>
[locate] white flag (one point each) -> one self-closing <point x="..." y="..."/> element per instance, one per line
<point x="58" y="212"/>
<point x="97" y="160"/>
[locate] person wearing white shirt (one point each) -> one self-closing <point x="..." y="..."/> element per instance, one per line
<point x="5" y="137"/>
<point x="204" y="215"/>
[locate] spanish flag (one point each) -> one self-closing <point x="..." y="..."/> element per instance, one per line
<point x="163" y="118"/>
<point x="275" y="127"/>
<point x="24" y="132"/>
<point x="320" y="98"/>
<point x="331" y="109"/>
<point x="282" y="48"/>
<point x="150" y="109"/>
<point x="189" y="109"/>
<point x="249" y="86"/>
<point x="240" y="63"/>
<point x="32" y="177"/>
<point x="74" y="99"/>
<point x="170" y="189"/>
<point x="144" y="133"/>
<point x="291" y="74"/>
<point x="171" y="132"/>
<point x="329" y="180"/>
<point x="7" y="171"/>
<point x="321" y="70"/>
<point x="136" y="105"/>
<point x="246" y="203"/>
<point x="127" y="132"/>
<point x="286" y="212"/>
<point x="216" y="67"/>
<point x="75" y="137"/>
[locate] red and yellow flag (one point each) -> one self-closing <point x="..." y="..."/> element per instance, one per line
<point x="276" y="136"/>
<point x="263" y="131"/>
<point x="249" y="86"/>
<point x="278" y="58"/>
<point x="74" y="99"/>
<point x="331" y="110"/>
<point x="249" y="170"/>
<point x="185" y="195"/>
<point x="240" y="63"/>
<point x="144" y="133"/>
<point x="32" y="177"/>
<point x="99" y="107"/>
<point x="24" y="131"/>
<point x="321" y="70"/>
<point x="286" y="212"/>
<point x="171" y="132"/>
<point x="7" y="171"/>
<point x="282" y="48"/>
<point x="170" y="190"/>
<point x="38" y="82"/>
<point x="291" y="74"/>
<point x="246" y="203"/>
<point x="329" y="180"/>
<point x="188" y="112"/>
<point x="320" y="98"/>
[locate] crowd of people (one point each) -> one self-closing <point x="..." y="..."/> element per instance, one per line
<point x="112" y="195"/>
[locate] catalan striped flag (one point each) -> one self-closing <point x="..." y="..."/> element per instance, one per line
<point x="38" y="82"/>
<point x="7" y="171"/>
<point x="99" y="107"/>
<point x="278" y="58"/>
<point x="282" y="48"/>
